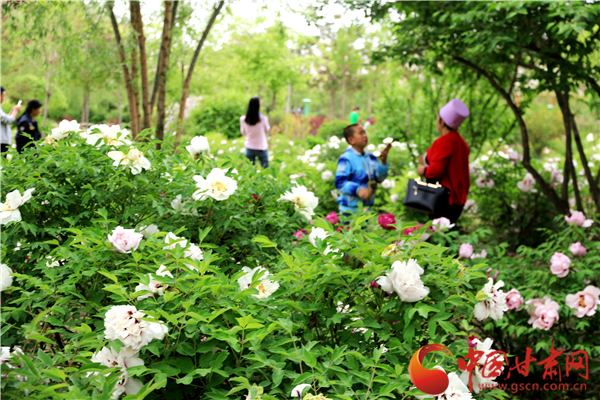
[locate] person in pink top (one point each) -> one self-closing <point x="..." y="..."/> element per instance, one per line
<point x="255" y="127"/>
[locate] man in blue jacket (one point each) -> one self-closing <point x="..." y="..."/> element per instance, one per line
<point x="359" y="171"/>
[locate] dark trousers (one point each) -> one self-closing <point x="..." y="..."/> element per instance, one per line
<point x="22" y="142"/>
<point x="263" y="157"/>
<point x="450" y="211"/>
<point x="5" y="148"/>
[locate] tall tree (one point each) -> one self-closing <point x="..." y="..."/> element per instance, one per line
<point x="163" y="66"/>
<point x="531" y="46"/>
<point x="186" y="84"/>
<point x="130" y="84"/>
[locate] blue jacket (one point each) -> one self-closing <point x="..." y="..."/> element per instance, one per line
<point x="354" y="171"/>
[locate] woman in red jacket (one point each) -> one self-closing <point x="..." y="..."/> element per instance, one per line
<point x="447" y="160"/>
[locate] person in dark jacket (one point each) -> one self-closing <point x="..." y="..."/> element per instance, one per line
<point x="447" y="160"/>
<point x="27" y="125"/>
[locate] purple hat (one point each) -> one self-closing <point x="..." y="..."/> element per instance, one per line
<point x="454" y="113"/>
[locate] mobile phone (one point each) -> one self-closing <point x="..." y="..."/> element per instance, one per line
<point x="19" y="103"/>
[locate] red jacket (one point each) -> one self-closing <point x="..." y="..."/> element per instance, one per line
<point x="448" y="162"/>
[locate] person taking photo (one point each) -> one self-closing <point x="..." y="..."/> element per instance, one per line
<point x="5" y="121"/>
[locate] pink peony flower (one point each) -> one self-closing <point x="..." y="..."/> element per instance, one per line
<point x="526" y="185"/>
<point x="483" y="254"/>
<point x="409" y="231"/>
<point x="513" y="155"/>
<point x="333" y="218"/>
<point x="584" y="302"/>
<point x="488" y="273"/>
<point x="578" y="218"/>
<point x="543" y="312"/>
<point x="473" y="341"/>
<point x="385" y="220"/>
<point x="578" y="250"/>
<point x="125" y="240"/>
<point x="300" y="234"/>
<point x="514" y="299"/>
<point x="559" y="264"/>
<point x="466" y="250"/>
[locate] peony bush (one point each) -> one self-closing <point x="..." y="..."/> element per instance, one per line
<point x="183" y="274"/>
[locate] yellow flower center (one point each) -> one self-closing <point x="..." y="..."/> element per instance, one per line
<point x="262" y="288"/>
<point x="6" y="207"/>
<point x="134" y="154"/>
<point x="299" y="201"/>
<point x="49" y="140"/>
<point x="109" y="139"/>
<point x="582" y="301"/>
<point x="218" y="187"/>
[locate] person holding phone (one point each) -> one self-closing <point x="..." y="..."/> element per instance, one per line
<point x="5" y="121"/>
<point x="358" y="171"/>
<point x="447" y="160"/>
<point x="27" y="125"/>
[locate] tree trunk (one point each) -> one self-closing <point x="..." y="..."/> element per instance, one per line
<point x="133" y="115"/>
<point x="546" y="188"/>
<point x="273" y="102"/>
<point x="594" y="188"/>
<point x="120" y="106"/>
<point x="87" y="107"/>
<point x="138" y="26"/>
<point x="288" y="103"/>
<point x="165" y="52"/>
<point x="83" y="107"/>
<point x="48" y="94"/>
<point x="186" y="85"/>
<point x="332" y="109"/>
<point x="160" y="56"/>
<point x="344" y="97"/>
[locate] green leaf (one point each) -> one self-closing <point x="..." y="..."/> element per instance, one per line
<point x="39" y="338"/>
<point x="186" y="349"/>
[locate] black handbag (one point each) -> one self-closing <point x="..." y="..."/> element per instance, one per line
<point x="425" y="197"/>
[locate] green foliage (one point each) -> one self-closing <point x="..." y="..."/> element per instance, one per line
<point x="332" y="128"/>
<point x="220" y="338"/>
<point x="218" y="114"/>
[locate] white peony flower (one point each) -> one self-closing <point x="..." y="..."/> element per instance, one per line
<point x="9" y="211"/>
<point x="195" y="253"/>
<point x="173" y="241"/>
<point x="154" y="286"/>
<point x="52" y="262"/>
<point x="198" y="146"/>
<point x="125" y="323"/>
<point x="320" y="166"/>
<point x="111" y="135"/>
<point x="134" y="159"/>
<point x="388" y="184"/>
<point x="64" y="129"/>
<point x="495" y="305"/>
<point x="483" y="254"/>
<point x="297" y="391"/>
<point x="388" y="140"/>
<point x="321" y="234"/>
<point x="149" y="230"/>
<point x="6" y="279"/>
<point x="327" y="175"/>
<point x="456" y="390"/>
<point x="265" y="287"/>
<point x="394" y="198"/>
<point x="304" y="201"/>
<point x="405" y="279"/>
<point x="483" y="367"/>
<point x="122" y="359"/>
<point x="216" y="185"/>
